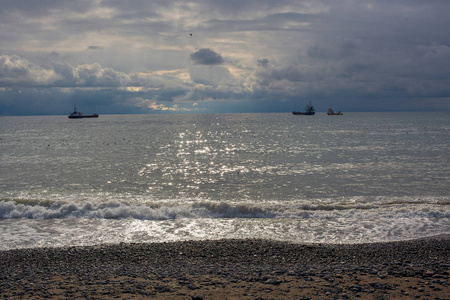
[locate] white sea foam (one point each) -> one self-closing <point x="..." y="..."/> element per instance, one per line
<point x="189" y="208"/>
<point x="24" y="233"/>
<point x="38" y="223"/>
<point x="360" y="177"/>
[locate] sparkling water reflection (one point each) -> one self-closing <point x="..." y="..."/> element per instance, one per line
<point x="357" y="177"/>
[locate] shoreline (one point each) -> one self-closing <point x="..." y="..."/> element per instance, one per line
<point x="230" y="269"/>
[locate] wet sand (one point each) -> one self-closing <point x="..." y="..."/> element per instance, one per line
<point x="230" y="269"/>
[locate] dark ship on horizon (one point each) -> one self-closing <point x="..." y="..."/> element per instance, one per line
<point x="331" y="112"/>
<point x="309" y="111"/>
<point x="79" y="115"/>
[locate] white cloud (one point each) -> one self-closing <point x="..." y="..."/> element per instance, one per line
<point x="15" y="71"/>
<point x="211" y="75"/>
<point x="95" y="75"/>
<point x="239" y="50"/>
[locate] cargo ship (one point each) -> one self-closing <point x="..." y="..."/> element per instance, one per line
<point x="309" y="111"/>
<point x="79" y="115"/>
<point x="331" y="112"/>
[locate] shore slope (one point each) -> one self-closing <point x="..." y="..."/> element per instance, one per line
<point x="230" y="269"/>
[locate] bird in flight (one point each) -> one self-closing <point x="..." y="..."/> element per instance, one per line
<point x="190" y="34"/>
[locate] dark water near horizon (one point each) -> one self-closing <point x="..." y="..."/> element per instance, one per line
<point x="360" y="177"/>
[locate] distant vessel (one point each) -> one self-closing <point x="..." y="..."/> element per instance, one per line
<point x="331" y="112"/>
<point x="78" y="115"/>
<point x="310" y="111"/>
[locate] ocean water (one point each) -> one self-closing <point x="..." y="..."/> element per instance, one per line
<point x="360" y="177"/>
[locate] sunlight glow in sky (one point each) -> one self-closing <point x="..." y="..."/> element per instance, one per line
<point x="163" y="56"/>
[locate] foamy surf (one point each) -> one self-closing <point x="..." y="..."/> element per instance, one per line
<point x="359" y="178"/>
<point x="31" y="223"/>
<point x="193" y="208"/>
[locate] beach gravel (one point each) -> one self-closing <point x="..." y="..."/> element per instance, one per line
<point x="230" y="269"/>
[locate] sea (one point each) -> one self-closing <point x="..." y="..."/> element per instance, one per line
<point x="355" y="178"/>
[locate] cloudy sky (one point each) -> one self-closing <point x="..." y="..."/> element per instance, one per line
<point x="164" y="56"/>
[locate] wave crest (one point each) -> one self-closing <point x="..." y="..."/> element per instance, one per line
<point x="33" y="209"/>
<point x="185" y="208"/>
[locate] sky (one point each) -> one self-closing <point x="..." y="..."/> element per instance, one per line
<point x="164" y="56"/>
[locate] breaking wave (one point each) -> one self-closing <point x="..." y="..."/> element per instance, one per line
<point x="167" y="210"/>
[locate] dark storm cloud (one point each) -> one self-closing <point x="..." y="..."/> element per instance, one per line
<point x="38" y="8"/>
<point x="341" y="50"/>
<point x="238" y="8"/>
<point x="94" y="47"/>
<point x="206" y="57"/>
<point x="275" y="53"/>
<point x="274" y="22"/>
<point x="263" y="62"/>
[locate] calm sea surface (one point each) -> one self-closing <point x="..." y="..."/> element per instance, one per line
<point x="360" y="177"/>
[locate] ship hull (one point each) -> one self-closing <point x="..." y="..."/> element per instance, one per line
<point x="309" y="111"/>
<point x="303" y="113"/>
<point x="331" y="112"/>
<point x="83" y="116"/>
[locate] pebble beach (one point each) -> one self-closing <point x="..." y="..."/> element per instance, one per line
<point x="230" y="269"/>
